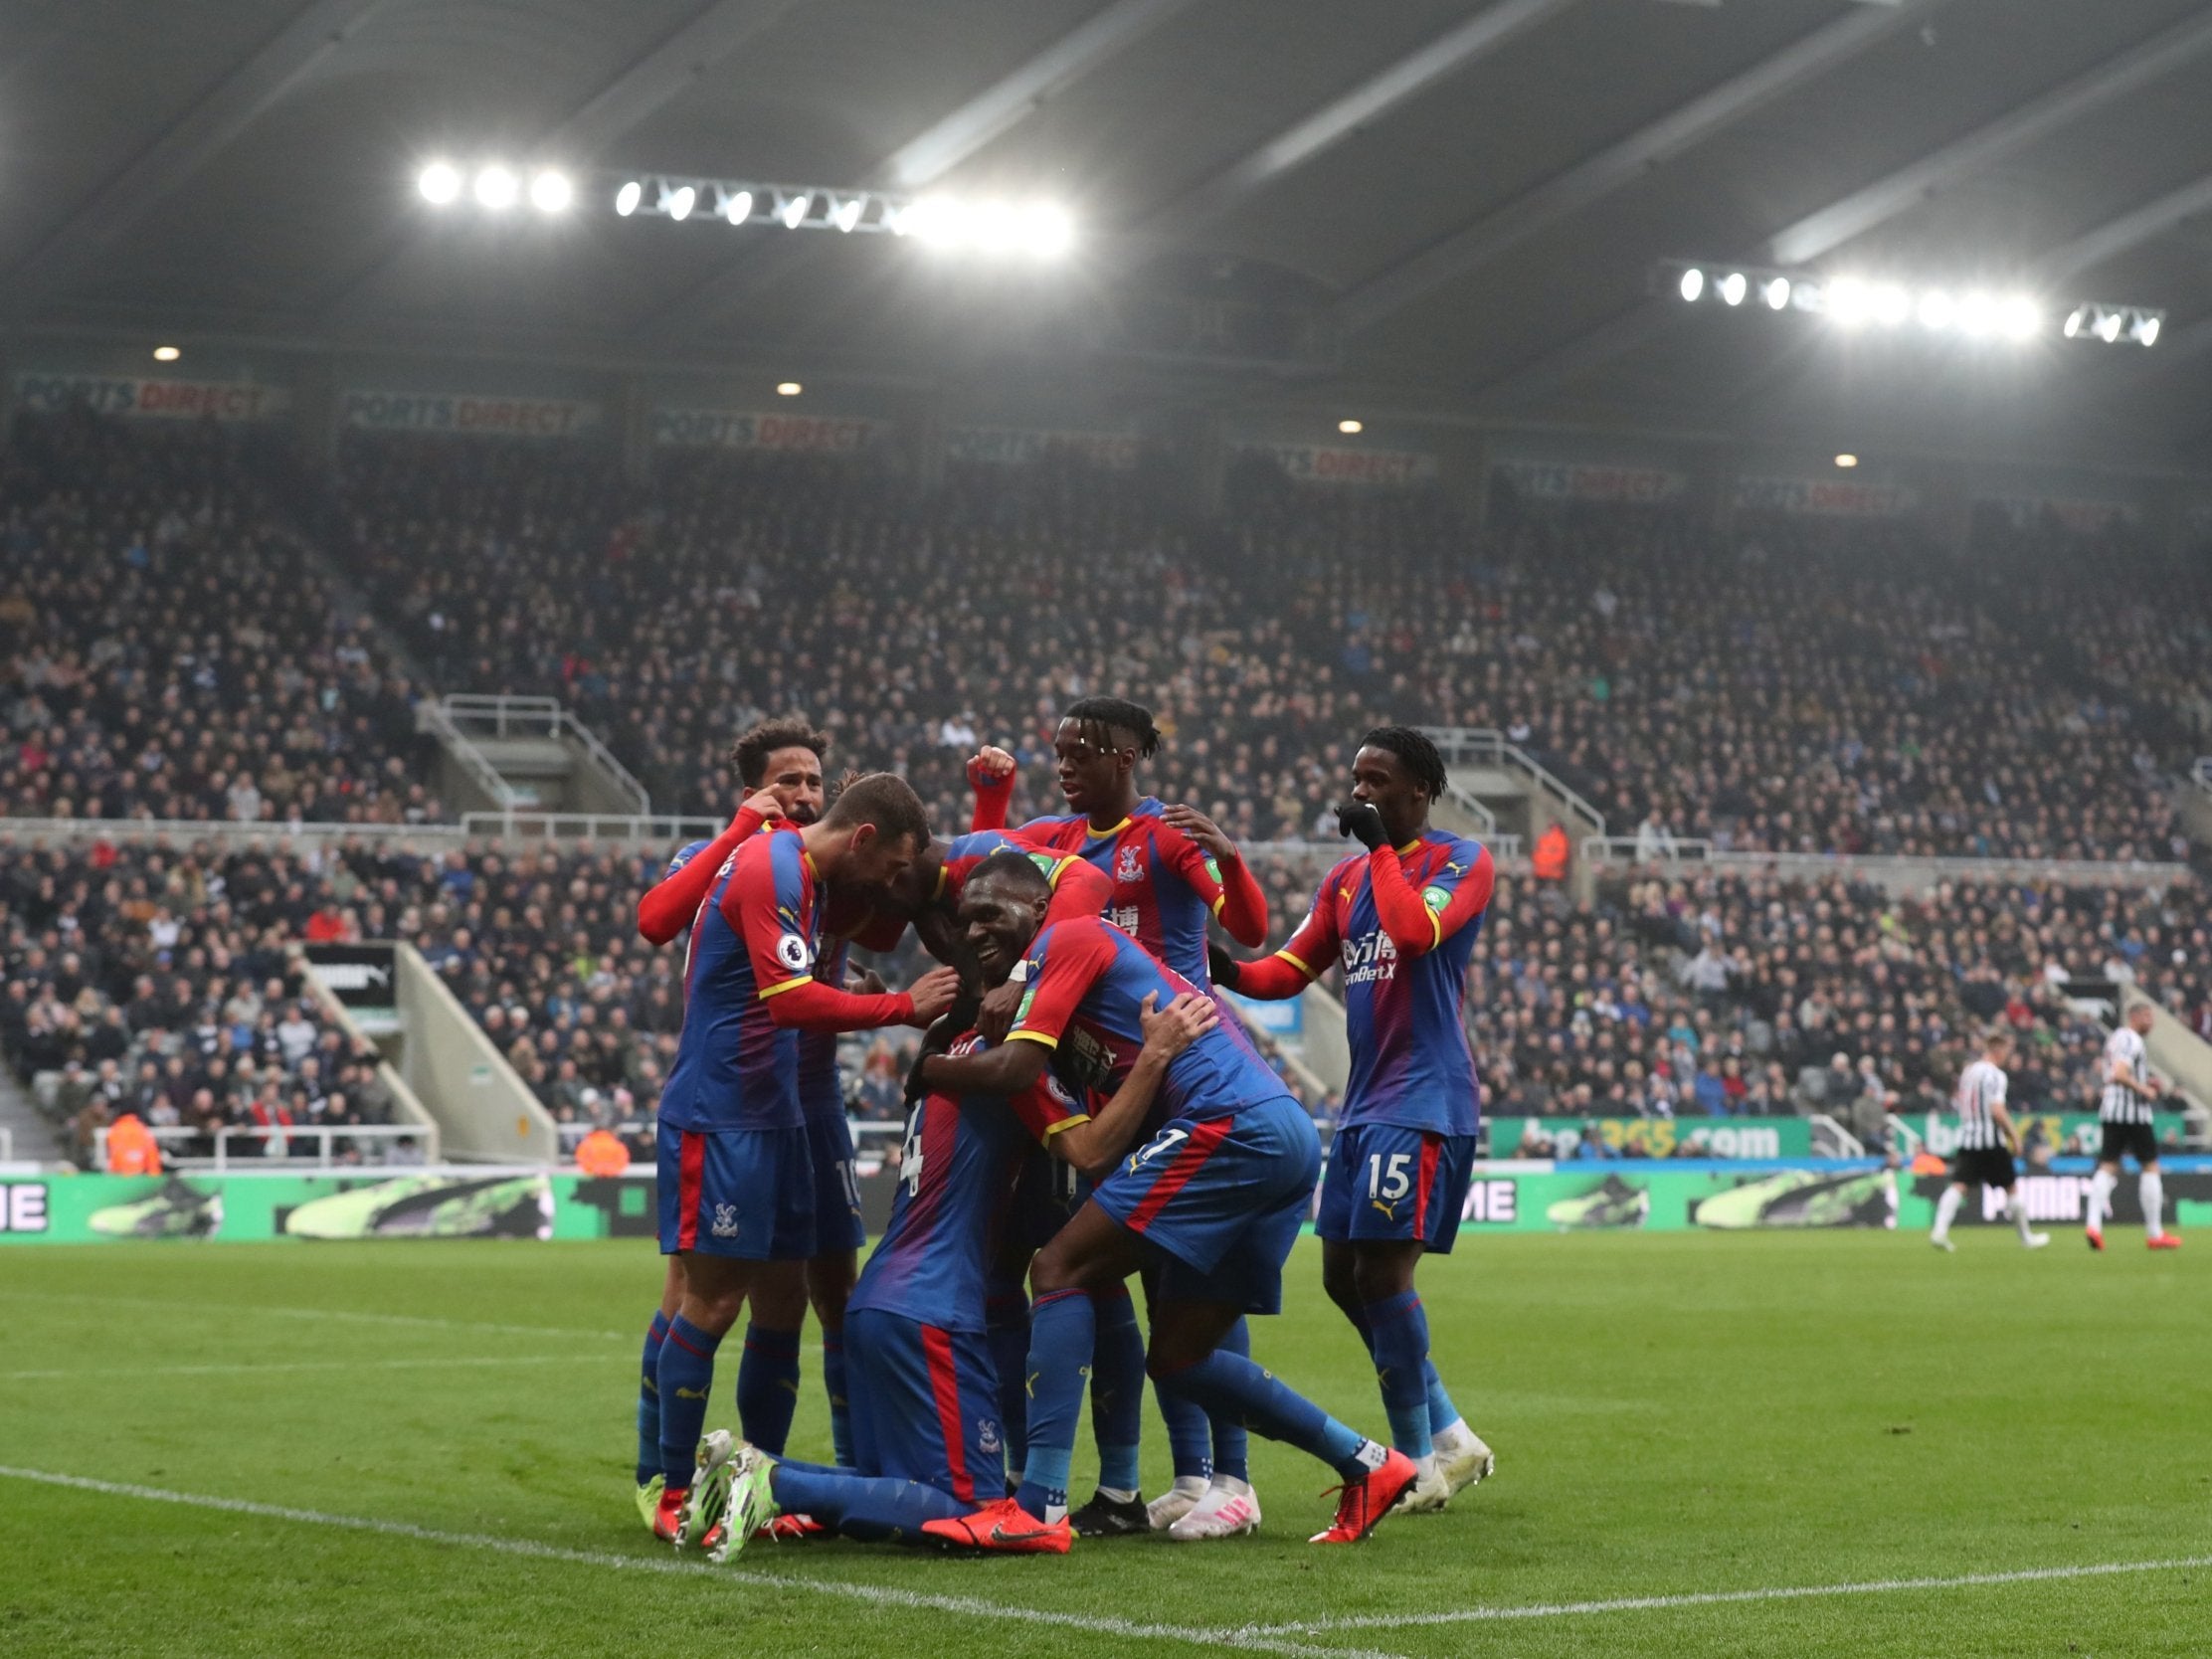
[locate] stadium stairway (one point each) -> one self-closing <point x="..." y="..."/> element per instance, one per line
<point x="27" y="1136"/>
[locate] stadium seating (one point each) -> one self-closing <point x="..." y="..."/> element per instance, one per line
<point x="171" y="652"/>
<point x="166" y="985"/>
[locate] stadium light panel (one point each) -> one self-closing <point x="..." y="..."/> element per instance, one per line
<point x="2147" y="330"/>
<point x="679" y="203"/>
<point x="497" y="188"/>
<point x="735" y="204"/>
<point x="2076" y="320"/>
<point x="1775" y="291"/>
<point x="788" y="388"/>
<point x="1351" y="429"/>
<point x="167" y="355"/>
<point x="2108" y="326"/>
<point x="1692" y="285"/>
<point x="793" y="210"/>
<point x="1847" y="460"/>
<point x="1733" y="288"/>
<point x="551" y="192"/>
<point x="440" y="183"/>
<point x="847" y="214"/>
<point x="627" y="198"/>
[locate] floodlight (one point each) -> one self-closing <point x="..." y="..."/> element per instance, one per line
<point x="1050" y="232"/>
<point x="1351" y="429"/>
<point x="1890" y="304"/>
<point x="2076" y="320"/>
<point x="1847" y="460"/>
<point x="550" y="192"/>
<point x="679" y="202"/>
<point x="1936" y="310"/>
<point x="1775" y="291"/>
<point x="1848" y="301"/>
<point x="788" y="388"/>
<point x="627" y="198"/>
<point x="496" y="188"/>
<point x="1733" y="289"/>
<point x="2020" y="316"/>
<point x="736" y="206"/>
<point x="847" y="214"/>
<point x="169" y="353"/>
<point x="1692" y="285"/>
<point x="794" y="211"/>
<point x="438" y="182"/>
<point x="2108" y="325"/>
<point x="2147" y="330"/>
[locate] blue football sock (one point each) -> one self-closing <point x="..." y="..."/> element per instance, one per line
<point x="1190" y="1435"/>
<point x="1117" y="1389"/>
<point x="768" y="1388"/>
<point x="686" y="1378"/>
<point x="1228" y="1384"/>
<point x="841" y="1410"/>
<point x="1231" y="1446"/>
<point x="1007" y="1334"/>
<point x="1443" y="1414"/>
<point x="1063" y="1331"/>
<point x="649" y="1399"/>
<point x="875" y="1508"/>
<point x="1401" y="1367"/>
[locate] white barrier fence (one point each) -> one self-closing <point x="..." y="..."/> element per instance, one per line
<point x="1896" y="872"/>
<point x="275" y="1148"/>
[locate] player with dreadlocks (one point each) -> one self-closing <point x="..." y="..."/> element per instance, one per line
<point x="1404" y="916"/>
<point x="1170" y="868"/>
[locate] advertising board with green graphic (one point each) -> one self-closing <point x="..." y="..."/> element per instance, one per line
<point x="1505" y="1195"/>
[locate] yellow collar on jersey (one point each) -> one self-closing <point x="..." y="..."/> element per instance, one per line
<point x="1110" y="829"/>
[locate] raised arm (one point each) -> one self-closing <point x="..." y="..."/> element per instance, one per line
<point x="1298" y="964"/>
<point x="1093" y="1145"/>
<point x="1417" y="922"/>
<point x="1203" y="856"/>
<point x="665" y="909"/>
<point x="991" y="777"/>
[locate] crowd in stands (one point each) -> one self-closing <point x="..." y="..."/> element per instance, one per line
<point x="167" y="650"/>
<point x="169" y="985"/>
<point x="1730" y="994"/>
<point x="1784" y="687"/>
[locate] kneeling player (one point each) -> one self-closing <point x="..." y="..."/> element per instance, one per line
<point x="1213" y="1200"/>
<point x="1987" y="1144"/>
<point x="1403" y="915"/>
<point x="926" y="1434"/>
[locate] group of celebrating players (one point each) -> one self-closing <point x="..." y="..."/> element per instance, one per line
<point x="1083" y="1112"/>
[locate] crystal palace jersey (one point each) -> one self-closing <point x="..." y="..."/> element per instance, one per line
<point x="956" y="1176"/>
<point x="966" y="851"/>
<point x="1164" y="884"/>
<point x="1981" y="1088"/>
<point x="1087" y="983"/>
<point x="1411" y="1065"/>
<point x="755" y="937"/>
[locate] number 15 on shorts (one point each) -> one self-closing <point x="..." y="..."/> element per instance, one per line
<point x="1387" y="1179"/>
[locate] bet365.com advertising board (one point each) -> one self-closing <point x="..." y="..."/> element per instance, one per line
<point x="1508" y="1197"/>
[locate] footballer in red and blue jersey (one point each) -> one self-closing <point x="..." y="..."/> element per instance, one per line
<point x="1214" y="1200"/>
<point x="1400" y="919"/>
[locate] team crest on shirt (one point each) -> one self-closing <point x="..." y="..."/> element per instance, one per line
<point x="725" y="1221"/>
<point x="794" y="952"/>
<point x="1129" y="862"/>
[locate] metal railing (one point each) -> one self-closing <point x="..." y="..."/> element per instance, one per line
<point x="1841" y="1143"/>
<point x="1891" y="869"/>
<point x="614" y="829"/>
<point x="275" y="1145"/>
<point x="1485" y="745"/>
<point x="541" y="718"/>
<point x="434" y="719"/>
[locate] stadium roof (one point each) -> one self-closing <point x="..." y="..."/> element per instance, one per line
<point x="1418" y="205"/>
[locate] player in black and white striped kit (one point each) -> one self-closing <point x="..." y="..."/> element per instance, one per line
<point x="1988" y="1141"/>
<point x="2124" y="1119"/>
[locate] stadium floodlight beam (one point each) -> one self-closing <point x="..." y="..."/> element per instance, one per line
<point x="1852" y="301"/>
<point x="551" y="192"/>
<point x="440" y="183"/>
<point x="627" y="198"/>
<point x="496" y="188"/>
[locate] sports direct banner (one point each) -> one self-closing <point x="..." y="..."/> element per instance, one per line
<point x="1547" y="482"/>
<point x="737" y="429"/>
<point x="1825" y="497"/>
<point x="1326" y="464"/>
<point x="1115" y="452"/>
<point x="474" y="414"/>
<point x="226" y="401"/>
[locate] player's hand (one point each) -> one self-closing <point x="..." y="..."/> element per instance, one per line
<point x="869" y="983"/>
<point x="1182" y="1023"/>
<point x="934" y="993"/>
<point x="1199" y="828"/>
<point x="990" y="767"/>
<point x="1225" y="968"/>
<point x="995" y="1018"/>
<point x="763" y="802"/>
<point x="1364" y="824"/>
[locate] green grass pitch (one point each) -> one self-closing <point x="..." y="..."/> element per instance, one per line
<point x="1675" y="1417"/>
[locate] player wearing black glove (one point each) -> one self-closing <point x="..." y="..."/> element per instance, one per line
<point x="1364" y="824"/>
<point x="1224" y="966"/>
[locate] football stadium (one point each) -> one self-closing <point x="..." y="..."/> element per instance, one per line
<point x="1106" y="827"/>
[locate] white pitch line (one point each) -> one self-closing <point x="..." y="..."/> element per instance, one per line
<point x="428" y="1362"/>
<point x="344" y="1315"/>
<point x="1716" y="1599"/>
<point x="1256" y="1641"/>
